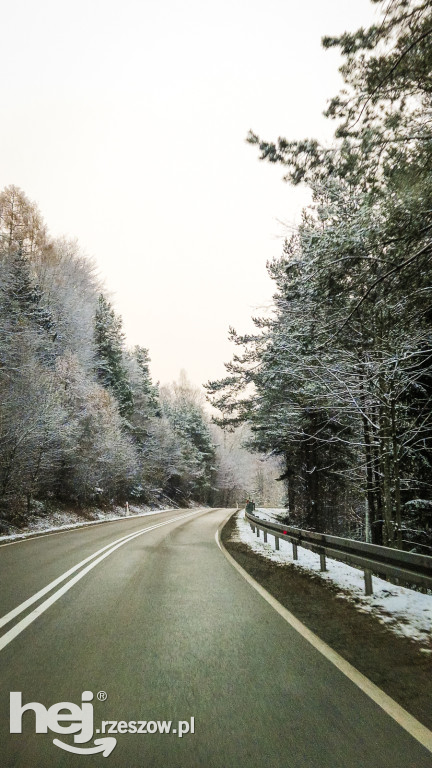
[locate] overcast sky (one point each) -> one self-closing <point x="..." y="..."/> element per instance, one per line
<point x="126" y="123"/>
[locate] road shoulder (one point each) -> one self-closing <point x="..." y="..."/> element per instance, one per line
<point x="394" y="664"/>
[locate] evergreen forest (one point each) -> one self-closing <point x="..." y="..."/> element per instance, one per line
<point x="337" y="378"/>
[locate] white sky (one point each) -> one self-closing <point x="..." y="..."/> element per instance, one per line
<point x="126" y="123"/>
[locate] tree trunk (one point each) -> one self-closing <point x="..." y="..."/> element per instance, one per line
<point x="376" y="533"/>
<point x="386" y="466"/>
<point x="396" y="472"/>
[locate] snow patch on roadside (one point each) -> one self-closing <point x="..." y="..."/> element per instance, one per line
<point x="274" y="515"/>
<point x="64" y="521"/>
<point x="403" y="610"/>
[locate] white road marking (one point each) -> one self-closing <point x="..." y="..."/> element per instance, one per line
<point x="27" y="603"/>
<point x="30" y="536"/>
<point x="409" y="723"/>
<point x="21" y="625"/>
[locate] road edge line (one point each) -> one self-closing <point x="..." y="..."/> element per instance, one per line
<point x="21" y="625"/>
<point x="408" y="722"/>
<point x="21" y="607"/>
<point x="30" y="535"/>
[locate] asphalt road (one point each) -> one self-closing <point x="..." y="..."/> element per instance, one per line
<point x="170" y="631"/>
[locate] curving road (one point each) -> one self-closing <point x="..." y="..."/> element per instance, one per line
<point x="170" y="631"/>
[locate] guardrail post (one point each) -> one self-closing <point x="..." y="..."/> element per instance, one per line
<point x="393" y="565"/>
<point x="368" y="582"/>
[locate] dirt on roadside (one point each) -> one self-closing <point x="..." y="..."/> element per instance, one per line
<point x="396" y="664"/>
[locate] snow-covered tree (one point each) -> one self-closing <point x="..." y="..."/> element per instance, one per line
<point x="182" y="405"/>
<point x="339" y="379"/>
<point x="110" y="353"/>
<point x="99" y="461"/>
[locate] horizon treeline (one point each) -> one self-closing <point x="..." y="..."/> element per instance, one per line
<point x="81" y="421"/>
<point x="337" y="379"/>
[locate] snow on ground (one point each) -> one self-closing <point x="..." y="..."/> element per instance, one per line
<point x="270" y="513"/>
<point x="60" y="521"/>
<point x="403" y="610"/>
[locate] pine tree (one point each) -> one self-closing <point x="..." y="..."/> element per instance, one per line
<point x="110" y="366"/>
<point x="183" y="408"/>
<point x="342" y="374"/>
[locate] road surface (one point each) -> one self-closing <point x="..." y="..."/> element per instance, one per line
<point x="169" y="631"/>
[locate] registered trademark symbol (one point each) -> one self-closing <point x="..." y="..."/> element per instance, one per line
<point x="102" y="696"/>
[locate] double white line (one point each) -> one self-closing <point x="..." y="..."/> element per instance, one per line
<point x="100" y="555"/>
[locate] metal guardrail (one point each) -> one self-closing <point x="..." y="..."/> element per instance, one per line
<point x="371" y="558"/>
